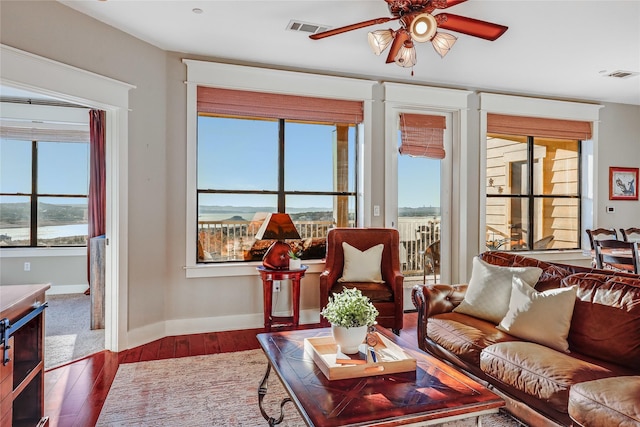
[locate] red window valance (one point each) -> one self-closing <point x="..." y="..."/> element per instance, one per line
<point x="276" y="106"/>
<point x="422" y="135"/>
<point x="540" y="127"/>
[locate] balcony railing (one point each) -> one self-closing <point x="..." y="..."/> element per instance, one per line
<point x="230" y="240"/>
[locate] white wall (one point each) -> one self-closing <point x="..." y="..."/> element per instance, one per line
<point x="161" y="300"/>
<point x="619" y="145"/>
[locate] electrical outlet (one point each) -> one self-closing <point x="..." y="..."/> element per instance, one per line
<point x="27" y="266"/>
<point x="276" y="286"/>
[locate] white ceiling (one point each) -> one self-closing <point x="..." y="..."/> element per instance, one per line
<point x="559" y="49"/>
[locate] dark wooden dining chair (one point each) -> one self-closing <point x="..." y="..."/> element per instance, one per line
<point x="601" y="234"/>
<point x="631" y="234"/>
<point x="617" y="255"/>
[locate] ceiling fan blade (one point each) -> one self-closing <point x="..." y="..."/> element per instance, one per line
<point x="472" y="27"/>
<point x="443" y="4"/>
<point x="351" y="27"/>
<point x="401" y="37"/>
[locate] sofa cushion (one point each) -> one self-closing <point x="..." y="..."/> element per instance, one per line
<point x="377" y="292"/>
<point x="539" y="371"/>
<point x="552" y="273"/>
<point x="606" y="318"/>
<point x="362" y="266"/>
<point x="542" y="317"/>
<point x="489" y="289"/>
<point x="609" y="401"/>
<point x="463" y="335"/>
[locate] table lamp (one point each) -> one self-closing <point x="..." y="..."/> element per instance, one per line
<point x="278" y="227"/>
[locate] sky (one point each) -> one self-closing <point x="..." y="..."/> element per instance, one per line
<point x="62" y="168"/>
<point x="248" y="160"/>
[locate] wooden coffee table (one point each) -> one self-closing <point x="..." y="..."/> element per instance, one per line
<point x="433" y="394"/>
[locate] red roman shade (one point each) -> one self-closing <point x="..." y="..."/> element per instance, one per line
<point x="272" y="105"/>
<point x="540" y="127"/>
<point x="422" y="135"/>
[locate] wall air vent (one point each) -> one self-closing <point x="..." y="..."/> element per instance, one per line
<point x="306" y="27"/>
<point x="619" y="74"/>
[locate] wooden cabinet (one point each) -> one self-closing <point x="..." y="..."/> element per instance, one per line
<point x="22" y="355"/>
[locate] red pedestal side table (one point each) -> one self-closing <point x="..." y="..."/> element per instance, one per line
<point x="268" y="276"/>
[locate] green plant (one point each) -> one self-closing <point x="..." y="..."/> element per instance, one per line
<point x="293" y="255"/>
<point x="350" y="309"/>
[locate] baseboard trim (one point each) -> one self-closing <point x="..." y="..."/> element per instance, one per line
<point x="148" y="333"/>
<point x="66" y="289"/>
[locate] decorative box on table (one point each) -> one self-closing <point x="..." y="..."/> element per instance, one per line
<point x="390" y="358"/>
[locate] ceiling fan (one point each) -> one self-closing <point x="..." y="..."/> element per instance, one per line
<point x="419" y="25"/>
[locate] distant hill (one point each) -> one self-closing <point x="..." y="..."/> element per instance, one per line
<point x="307" y="214"/>
<point x="419" y="212"/>
<point x="18" y="214"/>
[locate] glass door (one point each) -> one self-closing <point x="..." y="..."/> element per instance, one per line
<point x="419" y="218"/>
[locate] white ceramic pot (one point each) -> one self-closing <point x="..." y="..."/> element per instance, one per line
<point x="349" y="338"/>
<point x="295" y="264"/>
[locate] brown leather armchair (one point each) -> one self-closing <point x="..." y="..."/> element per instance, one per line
<point x="387" y="297"/>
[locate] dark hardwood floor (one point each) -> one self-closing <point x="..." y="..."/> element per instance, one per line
<point x="75" y="393"/>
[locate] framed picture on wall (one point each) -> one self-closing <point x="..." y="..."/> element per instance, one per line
<point x="623" y="183"/>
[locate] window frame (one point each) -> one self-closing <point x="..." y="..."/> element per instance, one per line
<point x="552" y="109"/>
<point x="56" y="120"/>
<point x="202" y="73"/>
<point x="531" y="196"/>
<point x="281" y="192"/>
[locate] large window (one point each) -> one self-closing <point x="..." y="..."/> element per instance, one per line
<point x="533" y="193"/>
<point x="43" y="193"/>
<point x="250" y="166"/>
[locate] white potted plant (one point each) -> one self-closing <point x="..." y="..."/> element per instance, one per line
<point x="350" y="314"/>
<point x="295" y="263"/>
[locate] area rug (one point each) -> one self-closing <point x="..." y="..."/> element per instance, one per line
<point x="213" y="390"/>
<point x="67" y="330"/>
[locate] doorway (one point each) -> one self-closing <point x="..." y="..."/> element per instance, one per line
<point x="23" y="70"/>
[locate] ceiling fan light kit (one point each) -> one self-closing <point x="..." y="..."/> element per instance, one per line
<point x="379" y="40"/>
<point x="423" y="28"/>
<point x="442" y="43"/>
<point x="406" y="56"/>
<point x="420" y="26"/>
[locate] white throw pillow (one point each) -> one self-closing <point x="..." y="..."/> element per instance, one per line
<point x="541" y="317"/>
<point x="489" y="289"/>
<point x="362" y="266"/>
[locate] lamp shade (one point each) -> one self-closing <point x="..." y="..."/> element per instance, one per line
<point x="379" y="40"/>
<point x="442" y="43"/>
<point x="406" y="56"/>
<point x="423" y="27"/>
<point x="277" y="226"/>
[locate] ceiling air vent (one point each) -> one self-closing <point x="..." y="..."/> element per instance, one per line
<point x="306" y="27"/>
<point x="619" y="74"/>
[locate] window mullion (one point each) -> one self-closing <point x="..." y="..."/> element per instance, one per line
<point x="34" y="195"/>
<point x="531" y="198"/>
<point x="281" y="200"/>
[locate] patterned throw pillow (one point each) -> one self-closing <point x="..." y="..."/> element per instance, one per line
<point x="489" y="289"/>
<point x="541" y="317"/>
<point x="362" y="266"/>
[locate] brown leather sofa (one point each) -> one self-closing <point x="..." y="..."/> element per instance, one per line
<point x="604" y="342"/>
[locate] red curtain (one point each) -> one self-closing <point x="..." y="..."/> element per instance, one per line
<point x="422" y="135"/>
<point x="540" y="127"/>
<point x="97" y="179"/>
<point x="259" y="104"/>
